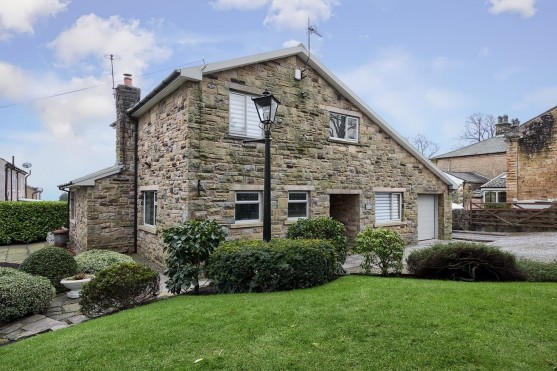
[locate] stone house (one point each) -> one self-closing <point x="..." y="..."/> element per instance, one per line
<point x="13" y="181"/>
<point x="532" y="160"/>
<point x="184" y="152"/>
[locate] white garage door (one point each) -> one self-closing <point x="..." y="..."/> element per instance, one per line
<point x="427" y="217"/>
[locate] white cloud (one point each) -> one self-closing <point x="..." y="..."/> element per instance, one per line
<point x="291" y="43"/>
<point x="525" y="8"/>
<point x="93" y="36"/>
<point x="18" y="16"/>
<point x="238" y="4"/>
<point x="295" y="13"/>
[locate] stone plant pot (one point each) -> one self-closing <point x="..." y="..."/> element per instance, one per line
<point x="75" y="285"/>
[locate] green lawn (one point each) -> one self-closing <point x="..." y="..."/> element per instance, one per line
<point x="353" y="323"/>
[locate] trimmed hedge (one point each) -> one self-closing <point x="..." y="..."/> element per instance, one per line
<point x="464" y="261"/>
<point x="282" y="264"/>
<point x="22" y="294"/>
<point x="30" y="221"/>
<point x="322" y="228"/>
<point x="538" y="271"/>
<point x="118" y="287"/>
<point x="94" y="261"/>
<point x="54" y="263"/>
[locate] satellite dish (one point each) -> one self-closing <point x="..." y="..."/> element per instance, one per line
<point x="27" y="165"/>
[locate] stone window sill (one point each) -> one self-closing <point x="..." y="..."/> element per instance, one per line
<point x="390" y="224"/>
<point x="342" y="141"/>
<point x="246" y="225"/>
<point x="148" y="228"/>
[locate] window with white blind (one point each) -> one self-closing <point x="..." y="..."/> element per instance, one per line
<point x="244" y="120"/>
<point x="388" y="207"/>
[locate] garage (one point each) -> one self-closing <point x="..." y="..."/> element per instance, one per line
<point x="427" y="217"/>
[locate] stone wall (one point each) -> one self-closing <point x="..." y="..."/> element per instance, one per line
<point x="184" y="140"/>
<point x="532" y="160"/>
<point x="490" y="165"/>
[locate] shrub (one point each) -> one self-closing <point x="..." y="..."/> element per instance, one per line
<point x="281" y="264"/>
<point x="464" y="261"/>
<point x="322" y="228"/>
<point x="537" y="271"/>
<point x="51" y="262"/>
<point x="188" y="247"/>
<point x="382" y="248"/>
<point x="118" y="287"/>
<point x="94" y="261"/>
<point x="22" y="294"/>
<point x="30" y="221"/>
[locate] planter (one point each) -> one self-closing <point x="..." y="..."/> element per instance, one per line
<point x="75" y="285"/>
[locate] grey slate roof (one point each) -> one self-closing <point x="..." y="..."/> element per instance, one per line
<point x="499" y="181"/>
<point x="469" y="176"/>
<point x="496" y="144"/>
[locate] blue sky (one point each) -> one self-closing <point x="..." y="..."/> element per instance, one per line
<point x="423" y="66"/>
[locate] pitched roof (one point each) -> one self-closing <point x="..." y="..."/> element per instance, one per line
<point x="179" y="77"/>
<point x="500" y="181"/>
<point x="469" y="176"/>
<point x="89" y="179"/>
<point x="492" y="145"/>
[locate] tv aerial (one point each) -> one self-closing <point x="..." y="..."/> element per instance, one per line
<point x="112" y="57"/>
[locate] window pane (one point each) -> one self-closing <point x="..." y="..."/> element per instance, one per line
<point x="296" y="196"/>
<point x="502" y="197"/>
<point x="352" y="128"/>
<point x="297" y="210"/>
<point x="251" y="196"/>
<point x="149" y="208"/>
<point x="489" y="197"/>
<point x="247" y="211"/>
<point x="337" y="125"/>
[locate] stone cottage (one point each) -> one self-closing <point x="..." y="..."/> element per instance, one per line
<point x="184" y="152"/>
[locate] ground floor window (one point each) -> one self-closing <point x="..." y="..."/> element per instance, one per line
<point x="388" y="207"/>
<point x="495" y="197"/>
<point x="298" y="205"/>
<point x="150" y="208"/>
<point x="248" y="206"/>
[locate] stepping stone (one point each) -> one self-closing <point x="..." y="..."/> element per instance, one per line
<point x="62" y="316"/>
<point x="11" y="328"/>
<point x="78" y="319"/>
<point x="71" y="308"/>
<point x="41" y="325"/>
<point x="56" y="328"/>
<point x="33" y="318"/>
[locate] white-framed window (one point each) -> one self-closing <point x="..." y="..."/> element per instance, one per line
<point x="150" y="208"/>
<point x="298" y="205"/>
<point x="343" y="127"/>
<point x="388" y="207"/>
<point x="244" y="120"/>
<point x="248" y="206"/>
<point x="495" y="196"/>
<point x="73" y="206"/>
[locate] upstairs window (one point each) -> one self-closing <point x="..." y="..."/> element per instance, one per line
<point x="343" y="127"/>
<point x="244" y="120"/>
<point x="388" y="207"/>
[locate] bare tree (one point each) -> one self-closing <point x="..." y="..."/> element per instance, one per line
<point x="479" y="127"/>
<point x="426" y="147"/>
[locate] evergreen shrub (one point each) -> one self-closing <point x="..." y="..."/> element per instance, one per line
<point x="382" y="248"/>
<point x="281" y="264"/>
<point x="94" y="261"/>
<point x="23" y="294"/>
<point x="54" y="263"/>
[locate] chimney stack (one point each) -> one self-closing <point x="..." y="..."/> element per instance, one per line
<point x="126" y="96"/>
<point x="503" y="126"/>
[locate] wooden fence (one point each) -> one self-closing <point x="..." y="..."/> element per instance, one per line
<point x="513" y="216"/>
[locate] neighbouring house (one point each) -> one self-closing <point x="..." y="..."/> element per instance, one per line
<point x="33" y="193"/>
<point x="487" y="158"/>
<point x="495" y="190"/>
<point x="467" y="182"/>
<point x="13" y="181"/>
<point x="186" y="151"/>
<point x="532" y="160"/>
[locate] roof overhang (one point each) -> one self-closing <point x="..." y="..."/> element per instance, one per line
<point x="89" y="180"/>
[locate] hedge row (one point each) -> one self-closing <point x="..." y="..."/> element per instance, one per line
<point x="282" y="264"/>
<point x="30" y="221"/>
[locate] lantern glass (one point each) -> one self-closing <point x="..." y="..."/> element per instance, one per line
<point x="266" y="106"/>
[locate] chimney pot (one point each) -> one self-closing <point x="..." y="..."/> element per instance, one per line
<point x="128" y="79"/>
<point x="505" y="119"/>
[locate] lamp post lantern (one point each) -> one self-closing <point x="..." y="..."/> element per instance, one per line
<point x="267" y="106"/>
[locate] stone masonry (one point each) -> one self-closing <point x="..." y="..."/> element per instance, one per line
<point x="488" y="165"/>
<point x="532" y="159"/>
<point x="187" y="155"/>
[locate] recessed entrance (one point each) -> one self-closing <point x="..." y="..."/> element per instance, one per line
<point x="346" y="209"/>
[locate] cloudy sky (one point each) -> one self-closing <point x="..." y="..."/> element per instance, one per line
<point x="424" y="66"/>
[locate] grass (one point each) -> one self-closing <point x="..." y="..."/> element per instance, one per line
<point x="355" y="322"/>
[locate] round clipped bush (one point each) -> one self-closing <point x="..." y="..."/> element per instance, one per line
<point x="94" y="261"/>
<point x="464" y="261"/>
<point x="323" y="228"/>
<point x="281" y="264"/>
<point x="22" y="294"/>
<point x="121" y="286"/>
<point x="382" y="248"/>
<point x="51" y="262"/>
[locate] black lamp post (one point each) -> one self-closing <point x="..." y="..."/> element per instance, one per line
<point x="267" y="106"/>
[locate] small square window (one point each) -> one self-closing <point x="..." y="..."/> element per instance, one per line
<point x="150" y="208"/>
<point x="244" y="120"/>
<point x="343" y="127"/>
<point x="248" y="206"/>
<point x="297" y="205"/>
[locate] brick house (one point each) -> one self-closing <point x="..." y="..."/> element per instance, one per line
<point x="182" y="154"/>
<point x="532" y="160"/>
